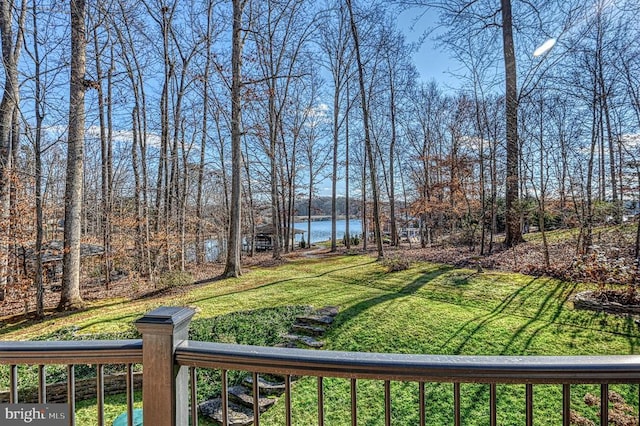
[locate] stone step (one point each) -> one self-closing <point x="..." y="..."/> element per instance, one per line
<point x="265" y="387"/>
<point x="322" y="320"/>
<point x="331" y="311"/>
<point x="305" y="340"/>
<point x="288" y="344"/>
<point x="237" y="415"/>
<point x="310" y="330"/>
<point x="311" y="342"/>
<point x="281" y="378"/>
<point x="240" y="395"/>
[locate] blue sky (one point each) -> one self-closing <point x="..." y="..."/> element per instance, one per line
<point x="431" y="62"/>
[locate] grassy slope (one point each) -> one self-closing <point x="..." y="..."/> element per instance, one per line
<point x="427" y="309"/>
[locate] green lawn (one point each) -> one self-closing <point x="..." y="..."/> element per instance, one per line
<point x="429" y="309"/>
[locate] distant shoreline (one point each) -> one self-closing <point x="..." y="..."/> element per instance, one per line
<point x="317" y="218"/>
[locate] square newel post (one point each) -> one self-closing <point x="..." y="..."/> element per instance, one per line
<point x="164" y="385"/>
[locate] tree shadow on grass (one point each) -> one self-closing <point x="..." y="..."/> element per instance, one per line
<point x="485" y="319"/>
<point x="408" y="290"/>
<point x="18" y="322"/>
<point x="544" y="308"/>
<point x="276" y="283"/>
<point x="547" y="313"/>
<point x="631" y="329"/>
<point x="547" y="305"/>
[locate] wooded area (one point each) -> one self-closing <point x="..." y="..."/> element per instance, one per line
<point x="154" y="127"/>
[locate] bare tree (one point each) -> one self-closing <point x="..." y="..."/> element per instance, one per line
<point x="11" y="45"/>
<point x="106" y="133"/>
<point x="44" y="34"/>
<point x="513" y="234"/>
<point x="232" y="266"/>
<point x="38" y="171"/>
<point x="540" y="185"/>
<point x="338" y="54"/>
<point x="139" y="163"/>
<point x="283" y="31"/>
<point x="367" y="136"/>
<point x="401" y="76"/>
<point x="484" y="14"/>
<point x="199" y="243"/>
<point x="70" y="295"/>
<point x="316" y="151"/>
<point x="422" y="138"/>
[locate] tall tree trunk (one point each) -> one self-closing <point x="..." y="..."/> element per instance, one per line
<point x="162" y="202"/>
<point x="543" y="190"/>
<point x="288" y="179"/>
<point x="338" y="56"/>
<point x="309" y="201"/>
<point x="291" y="230"/>
<point x="70" y="294"/>
<point x="10" y="98"/>
<point x="602" y="174"/>
<point x="39" y="282"/>
<point x="586" y="230"/>
<point x="483" y="189"/>
<point x="347" y="212"/>
<point x="140" y="143"/>
<point x="276" y="220"/>
<point x="424" y="193"/>
<point x="392" y="154"/>
<point x="200" y="243"/>
<point x="13" y="197"/>
<point x="138" y="146"/>
<point x="334" y="175"/>
<point x="494" y="190"/>
<point x="252" y="219"/>
<point x="223" y="165"/>
<point x="365" y="220"/>
<point x="367" y="136"/>
<point x="108" y="249"/>
<point x="184" y="184"/>
<point x="39" y="113"/>
<point x="604" y="99"/>
<point x="563" y="179"/>
<point x="109" y="169"/>
<point x="177" y="179"/>
<point x="513" y="232"/>
<point x="637" y="245"/>
<point x="139" y="241"/>
<point x="105" y="158"/>
<point x="232" y="266"/>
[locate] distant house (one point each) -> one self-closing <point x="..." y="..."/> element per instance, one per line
<point x="263" y="240"/>
<point x="52" y="255"/>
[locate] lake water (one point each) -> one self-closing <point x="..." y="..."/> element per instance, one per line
<point x="321" y="229"/>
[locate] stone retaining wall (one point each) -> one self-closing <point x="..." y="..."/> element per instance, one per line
<point x="586" y="300"/>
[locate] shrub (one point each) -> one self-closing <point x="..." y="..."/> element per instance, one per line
<point x="175" y="279"/>
<point x="262" y="327"/>
<point x="395" y="264"/>
<point x="354" y="240"/>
